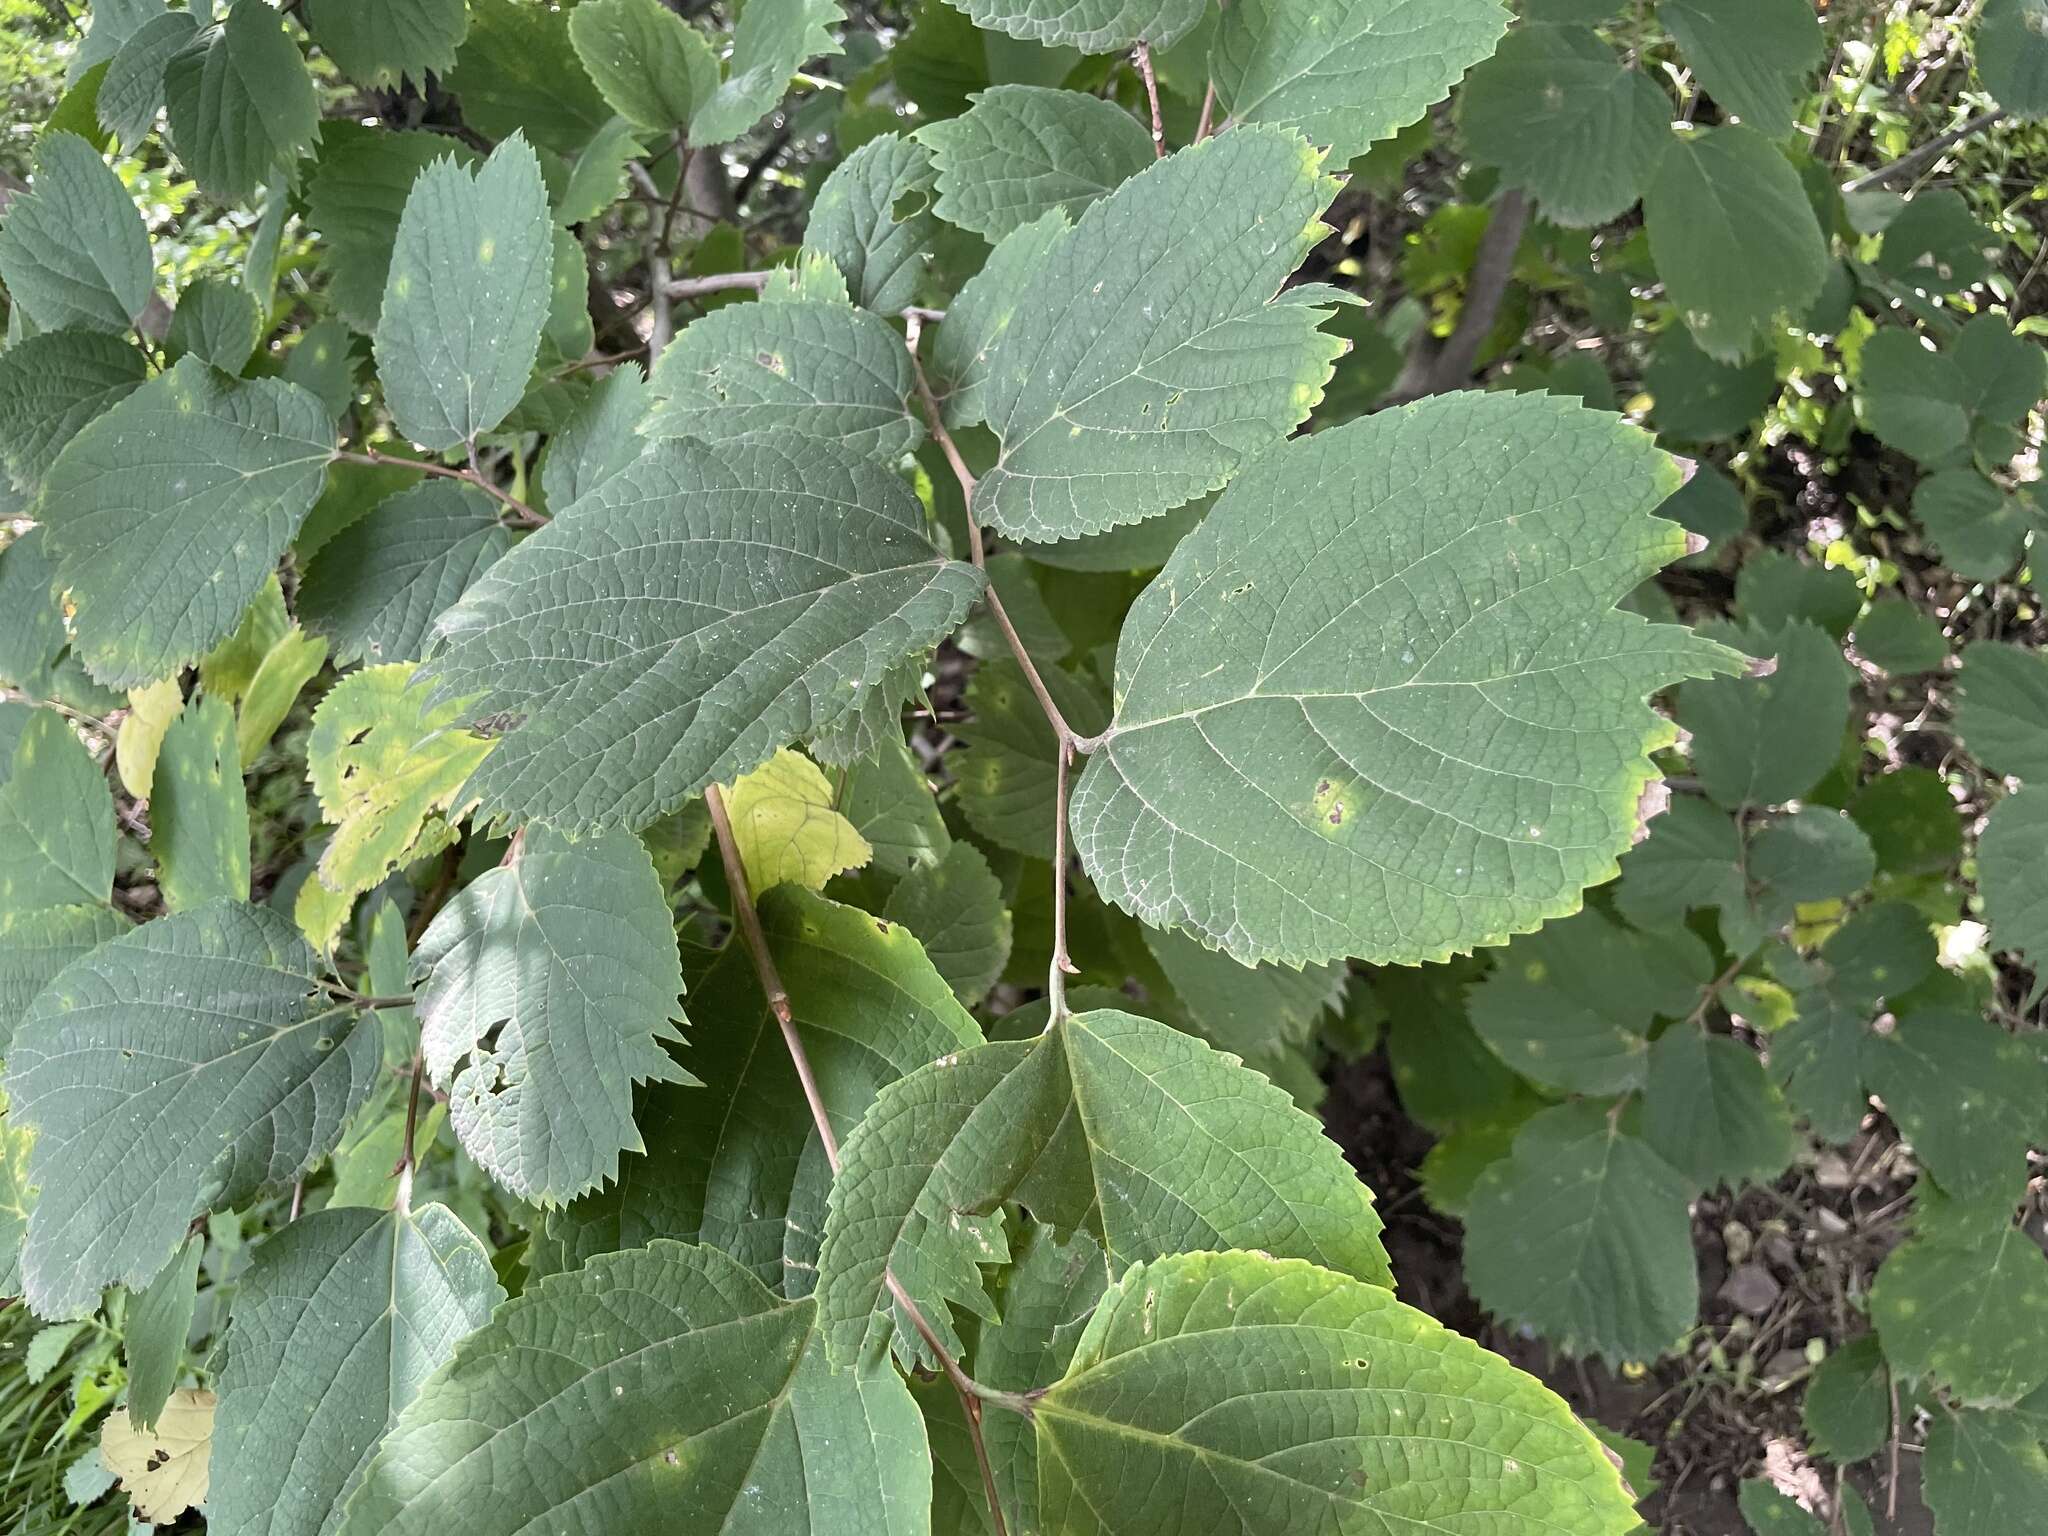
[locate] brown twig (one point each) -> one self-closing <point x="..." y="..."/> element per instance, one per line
<point x="1206" y="120"/>
<point x="1142" y="57"/>
<point x="521" y="513"/>
<point x="715" y="282"/>
<point x="1924" y="155"/>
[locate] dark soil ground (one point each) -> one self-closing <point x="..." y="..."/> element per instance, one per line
<point x="1779" y="1267"/>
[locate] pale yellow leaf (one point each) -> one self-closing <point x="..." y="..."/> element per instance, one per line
<point x="787" y="829"/>
<point x="229" y="669"/>
<point x="286" y="670"/>
<point x="150" y="713"/>
<point x="387" y="770"/>
<point x="162" y="1471"/>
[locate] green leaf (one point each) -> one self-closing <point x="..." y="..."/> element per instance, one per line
<point x="706" y="605"/>
<point x="1813" y="854"/>
<point x="2011" y="52"/>
<point x="1265" y="1396"/>
<point x="1044" y="1299"/>
<point x="355" y="198"/>
<point x="1970" y="1097"/>
<point x="178" y="1069"/>
<point x="1147" y="359"/>
<point x="466" y="296"/>
<point x="113" y="23"/>
<point x="324" y="362"/>
<point x="568" y="1399"/>
<point x="1910" y="820"/>
<point x="1964" y="1309"/>
<point x="2011" y="876"/>
<point x="1754" y="57"/>
<point x="1897" y="635"/>
<point x="1023" y="150"/>
<point x="2002" y="709"/>
<point x="1763" y="740"/>
<point x="217" y="322"/>
<point x="1986" y="1471"/>
<point x="194" y="474"/>
<point x="1088" y="27"/>
<point x="809" y="368"/>
<point x="338" y="1322"/>
<point x="241" y="104"/>
<point x="1005" y="778"/>
<point x="1699" y="399"/>
<point x="389" y="770"/>
<point x="1441" y="749"/>
<point x="1561" y="118"/>
<point x="1691" y="859"/>
<point x="1570" y="1006"/>
<point x="1712" y="1112"/>
<point x="597" y="176"/>
<point x="652" y="66"/>
<point x="389" y="42"/>
<point x="56" y="821"/>
<point x="549" y="988"/>
<point x="955" y="909"/>
<point x="1257" y="1012"/>
<point x="1107" y="1120"/>
<point x="1734" y="237"/>
<point x="872" y="219"/>
<point x="73" y="249"/>
<point x="1346" y="78"/>
<point x="1936" y="244"/>
<point x="379" y="584"/>
<point x="198" y="814"/>
<point x="51" y="385"/>
<point x="1709" y="504"/>
<point x="600" y="439"/>
<point x="1847" y="1407"/>
<point x="35" y="945"/>
<point x="518" y="73"/>
<point x="736" y="1163"/>
<point x="1584" y="1236"/>
<point x="32" y="633"/>
<point x="770" y="44"/>
<point x="975" y="321"/>
<point x="155" y="1330"/>
<point x="891" y="806"/>
<point x="1883" y="950"/>
<point x="17" y="1196"/>
<point x="1978" y="529"/>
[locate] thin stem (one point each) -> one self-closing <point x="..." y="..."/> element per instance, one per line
<point x="1066" y="741"/>
<point x="1204" y="123"/>
<point x="971" y="1393"/>
<point x="402" y="1200"/>
<point x="1061" y="967"/>
<point x="1926" y="154"/>
<point x="521" y="512"/>
<point x="1142" y="57"/>
<point x="977" y="550"/>
<point x="716" y="282"/>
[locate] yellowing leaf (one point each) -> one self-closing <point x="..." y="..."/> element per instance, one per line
<point x="387" y="770"/>
<point x="284" y="671"/>
<point x="150" y="713"/>
<point x="163" y="1471"/>
<point x="787" y="830"/>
